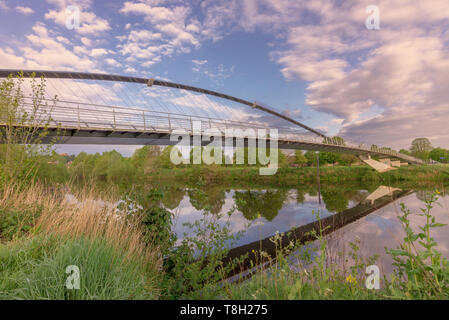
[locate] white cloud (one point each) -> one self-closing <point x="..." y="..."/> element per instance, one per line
<point x="24" y="10"/>
<point x="98" y="52"/>
<point x="86" y="41"/>
<point x="90" y="23"/>
<point x="9" y="59"/>
<point x="403" y="68"/>
<point x="44" y="51"/>
<point x="168" y="31"/>
<point x="215" y="74"/>
<point x="113" y="62"/>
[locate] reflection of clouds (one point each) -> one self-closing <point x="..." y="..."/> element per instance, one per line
<point x="376" y="231"/>
<point x="291" y="215"/>
<point x="382" y="229"/>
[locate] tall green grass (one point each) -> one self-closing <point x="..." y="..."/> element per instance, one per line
<point x="35" y="269"/>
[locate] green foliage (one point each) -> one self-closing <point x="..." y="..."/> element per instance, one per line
<point x="25" y="118"/>
<point x="255" y="204"/>
<point x="157" y="220"/>
<point x="311" y="158"/>
<point x="194" y="267"/>
<point x="335" y="201"/>
<point x="300" y="159"/>
<point x="146" y="159"/>
<point x="15" y="223"/>
<point x="421" y="148"/>
<point x="440" y="155"/>
<point x="164" y="158"/>
<point x="329" y="157"/>
<point x="36" y="269"/>
<point x="421" y="270"/>
<point x="108" y="167"/>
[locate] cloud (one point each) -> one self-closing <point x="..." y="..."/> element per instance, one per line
<point x="3" y="6"/>
<point x="168" y="31"/>
<point x="215" y="74"/>
<point x="10" y="59"/>
<point x="24" y="10"/>
<point x="98" y="52"/>
<point x="401" y="69"/>
<point x="44" y="51"/>
<point x="90" y="23"/>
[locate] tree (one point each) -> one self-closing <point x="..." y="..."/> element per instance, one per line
<point x="165" y="160"/>
<point x="440" y="155"/>
<point x="311" y="158"/>
<point x="146" y="158"/>
<point x="300" y="159"/>
<point x="404" y="151"/>
<point x="25" y="122"/>
<point x="421" y="148"/>
<point x="329" y="157"/>
<point x="347" y="159"/>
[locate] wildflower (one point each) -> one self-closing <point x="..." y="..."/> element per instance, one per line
<point x="351" y="279"/>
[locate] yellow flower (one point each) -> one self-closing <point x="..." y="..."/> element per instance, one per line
<point x="437" y="192"/>
<point x="350" y="279"/>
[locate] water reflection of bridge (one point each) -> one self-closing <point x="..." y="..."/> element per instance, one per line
<point x="381" y="197"/>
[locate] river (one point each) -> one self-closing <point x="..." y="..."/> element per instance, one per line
<point x="257" y="214"/>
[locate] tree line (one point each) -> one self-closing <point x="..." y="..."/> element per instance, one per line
<point x="422" y="148"/>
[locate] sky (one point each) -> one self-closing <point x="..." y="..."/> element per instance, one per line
<point x="317" y="61"/>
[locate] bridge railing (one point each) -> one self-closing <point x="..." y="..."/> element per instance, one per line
<point x="72" y="115"/>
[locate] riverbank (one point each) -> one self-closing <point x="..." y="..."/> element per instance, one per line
<point x="292" y="177"/>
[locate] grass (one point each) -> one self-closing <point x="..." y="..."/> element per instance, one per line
<point x="36" y="269"/>
<point x="107" y="246"/>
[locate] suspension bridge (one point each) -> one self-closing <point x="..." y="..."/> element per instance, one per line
<point x="94" y="108"/>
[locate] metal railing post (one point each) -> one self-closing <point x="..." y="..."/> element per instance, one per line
<point x="113" y="112"/>
<point x="144" y="123"/>
<point x="191" y="125"/>
<point x="169" y="122"/>
<point x="79" y="121"/>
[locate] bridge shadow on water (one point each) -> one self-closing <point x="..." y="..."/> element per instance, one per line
<point x="304" y="233"/>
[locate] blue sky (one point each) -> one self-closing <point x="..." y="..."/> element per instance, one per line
<point x="316" y="60"/>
